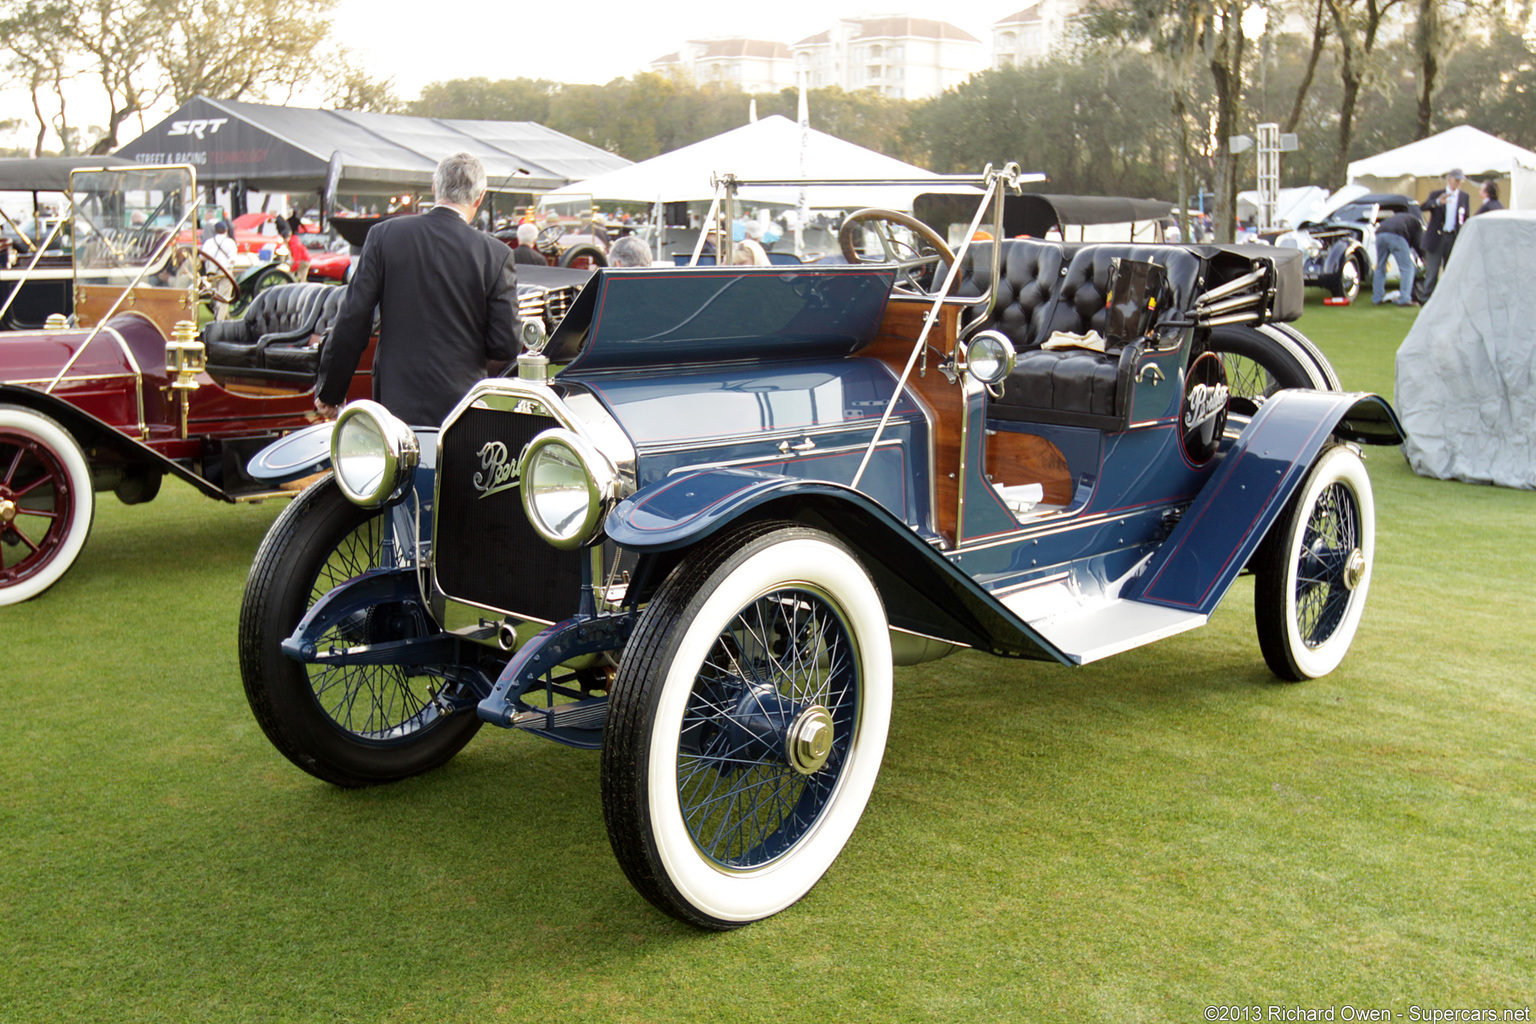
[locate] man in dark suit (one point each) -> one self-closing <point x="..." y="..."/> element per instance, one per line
<point x="1490" y="194"/>
<point x="1447" y="209"/>
<point x="447" y="300"/>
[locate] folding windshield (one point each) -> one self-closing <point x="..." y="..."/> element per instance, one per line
<point x="127" y="219"/>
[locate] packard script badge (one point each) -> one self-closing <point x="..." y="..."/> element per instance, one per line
<point x="497" y="470"/>
<point x="1205" y="408"/>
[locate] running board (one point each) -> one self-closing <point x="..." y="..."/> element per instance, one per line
<point x="1088" y="630"/>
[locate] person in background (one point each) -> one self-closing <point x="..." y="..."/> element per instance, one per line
<point x="447" y="301"/>
<point x="298" y="255"/>
<point x="1397" y="238"/>
<point x="1447" y="208"/>
<point x="1490" y="194"/>
<point x="629" y="251"/>
<point x="527" y="234"/>
<point x="221" y="247"/>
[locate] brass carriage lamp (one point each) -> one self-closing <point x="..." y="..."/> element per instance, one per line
<point x="185" y="358"/>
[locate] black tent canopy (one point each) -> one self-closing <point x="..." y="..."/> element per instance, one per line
<point x="47" y="173"/>
<point x="289" y="149"/>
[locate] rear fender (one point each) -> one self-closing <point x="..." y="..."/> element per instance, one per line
<point x="923" y="592"/>
<point x="1227" y="521"/>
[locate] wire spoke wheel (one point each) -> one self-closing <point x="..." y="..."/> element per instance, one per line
<point x="46" y="503"/>
<point x="746" y="725"/>
<point x="352" y="725"/>
<point x="745" y="792"/>
<point x="1314" y="569"/>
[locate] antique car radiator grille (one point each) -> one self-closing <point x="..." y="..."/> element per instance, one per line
<point x="486" y="551"/>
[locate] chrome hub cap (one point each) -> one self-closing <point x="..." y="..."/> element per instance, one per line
<point x="810" y="740"/>
<point x="1354" y="569"/>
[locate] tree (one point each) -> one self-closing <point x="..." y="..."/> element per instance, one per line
<point x="229" y="49"/>
<point x="1357" y="26"/>
<point x="349" y="87"/>
<point x="1184" y="34"/>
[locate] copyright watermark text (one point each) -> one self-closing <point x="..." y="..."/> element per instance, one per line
<point x="1274" y="1012"/>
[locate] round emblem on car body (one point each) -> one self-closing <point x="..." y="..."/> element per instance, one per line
<point x="1204" y="414"/>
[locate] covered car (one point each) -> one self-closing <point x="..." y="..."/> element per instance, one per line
<point x="1466" y="373"/>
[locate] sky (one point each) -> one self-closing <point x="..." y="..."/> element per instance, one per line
<point x="594" y="41"/>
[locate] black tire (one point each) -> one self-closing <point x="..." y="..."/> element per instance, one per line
<point x="1313" y="570"/>
<point x="1262" y="360"/>
<point x="594" y="256"/>
<point x="351" y="726"/>
<point x="1352" y="274"/>
<point x="763" y="651"/>
<point x="269" y="278"/>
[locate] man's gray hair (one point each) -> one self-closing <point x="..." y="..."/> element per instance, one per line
<point x="629" y="251"/>
<point x="459" y="179"/>
<point x="527" y="234"/>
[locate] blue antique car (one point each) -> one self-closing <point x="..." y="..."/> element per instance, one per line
<point x="700" y="526"/>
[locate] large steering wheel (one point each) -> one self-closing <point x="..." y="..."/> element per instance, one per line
<point x="216" y="283"/>
<point x="915" y="263"/>
<point x="548" y="240"/>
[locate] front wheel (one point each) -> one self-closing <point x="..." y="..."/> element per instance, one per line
<point x="1314" y="568"/>
<point x="1351" y="274"/>
<point x="746" y="725"/>
<point x="46" y="503"/>
<point x="350" y="725"/>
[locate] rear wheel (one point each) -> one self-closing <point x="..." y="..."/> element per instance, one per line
<point x="46" y="503"/>
<point x="746" y="725"/>
<point x="1263" y="360"/>
<point x="350" y="725"/>
<point x="1314" y="569"/>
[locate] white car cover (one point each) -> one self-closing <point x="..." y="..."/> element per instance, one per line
<point x="1466" y="373"/>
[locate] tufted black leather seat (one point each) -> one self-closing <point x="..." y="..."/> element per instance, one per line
<point x="284" y="313"/>
<point x="1041" y="294"/>
<point x="303" y="355"/>
<point x="1025" y="287"/>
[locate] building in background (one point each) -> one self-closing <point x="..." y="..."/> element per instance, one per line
<point x="901" y="57"/>
<point x="1033" y="33"/>
<point x="753" y="65"/>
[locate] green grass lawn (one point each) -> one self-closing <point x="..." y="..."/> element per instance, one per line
<point x="1133" y="841"/>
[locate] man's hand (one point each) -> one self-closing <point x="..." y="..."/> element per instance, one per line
<point x="328" y="411"/>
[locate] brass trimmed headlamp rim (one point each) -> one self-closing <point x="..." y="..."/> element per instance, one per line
<point x="373" y="453"/>
<point x="990" y="357"/>
<point x="568" y="486"/>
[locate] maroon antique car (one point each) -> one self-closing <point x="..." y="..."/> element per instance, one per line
<point x="130" y="390"/>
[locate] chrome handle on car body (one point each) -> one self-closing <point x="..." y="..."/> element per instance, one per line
<point x="804" y="446"/>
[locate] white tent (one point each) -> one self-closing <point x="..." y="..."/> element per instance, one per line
<point x="1418" y="167"/>
<point x="767" y="150"/>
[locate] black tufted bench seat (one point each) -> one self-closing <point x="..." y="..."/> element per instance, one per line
<point x="303" y="355"/>
<point x="284" y="313"/>
<point x="1049" y="287"/>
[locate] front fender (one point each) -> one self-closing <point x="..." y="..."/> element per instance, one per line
<point x="1227" y="521"/>
<point x="923" y="592"/>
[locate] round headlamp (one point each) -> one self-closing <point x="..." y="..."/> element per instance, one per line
<point x="567" y="487"/>
<point x="373" y="454"/>
<point x="989" y="357"/>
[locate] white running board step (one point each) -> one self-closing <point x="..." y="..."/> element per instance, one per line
<point x="1089" y="630"/>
